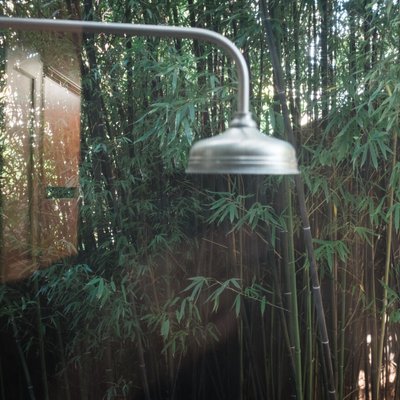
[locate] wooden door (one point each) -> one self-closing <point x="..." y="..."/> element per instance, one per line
<point x="58" y="223"/>
<point x="39" y="190"/>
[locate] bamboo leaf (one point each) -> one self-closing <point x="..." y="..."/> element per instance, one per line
<point x="237" y="304"/>
<point x="165" y="328"/>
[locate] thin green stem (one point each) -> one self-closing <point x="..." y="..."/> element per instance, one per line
<point x="292" y="295"/>
<point x="40" y="331"/>
<point x="385" y="282"/>
<point x="303" y="210"/>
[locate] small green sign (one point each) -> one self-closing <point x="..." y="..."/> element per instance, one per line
<point x="60" y="192"/>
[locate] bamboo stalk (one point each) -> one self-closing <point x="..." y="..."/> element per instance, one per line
<point x="309" y="363"/>
<point x="23" y="360"/>
<point x="277" y="284"/>
<point x="254" y="375"/>
<point x="385" y="281"/>
<point x="387" y="369"/>
<point x="374" y="335"/>
<point x="241" y="326"/>
<point x="63" y="362"/>
<point x="269" y="360"/>
<point x="41" y="339"/>
<point x="342" y="329"/>
<point x="333" y="288"/>
<point x="320" y="313"/>
<point x="292" y="290"/>
<point x="140" y="347"/>
<point x="281" y="310"/>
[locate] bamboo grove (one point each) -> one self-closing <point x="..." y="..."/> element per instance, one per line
<point x="199" y="287"/>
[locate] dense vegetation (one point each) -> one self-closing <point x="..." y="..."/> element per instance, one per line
<point x="199" y="287"/>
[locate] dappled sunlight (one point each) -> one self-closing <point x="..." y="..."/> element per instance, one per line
<point x="387" y="376"/>
<point x="361" y="385"/>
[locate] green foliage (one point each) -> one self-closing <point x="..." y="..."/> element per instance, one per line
<point x="326" y="250"/>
